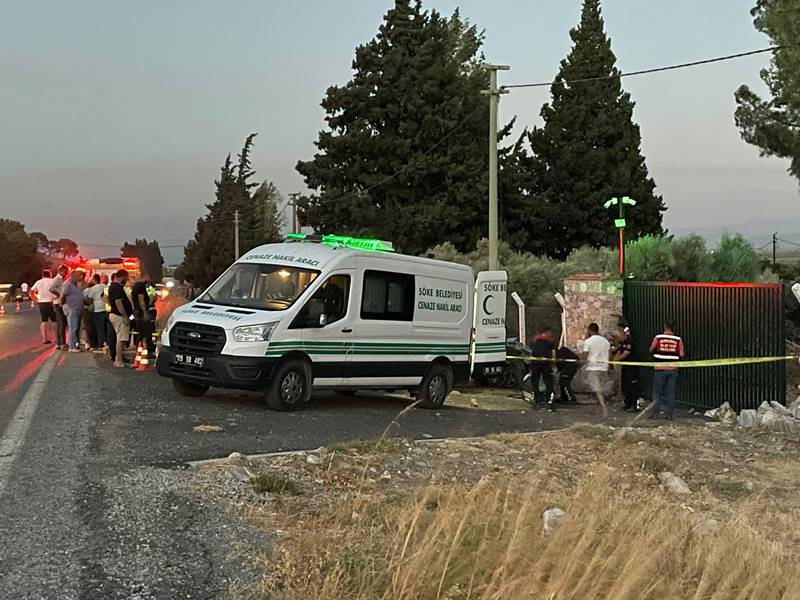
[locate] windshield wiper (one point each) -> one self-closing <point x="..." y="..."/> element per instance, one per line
<point x="207" y="295"/>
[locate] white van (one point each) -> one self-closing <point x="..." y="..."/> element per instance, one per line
<point x="335" y="312"/>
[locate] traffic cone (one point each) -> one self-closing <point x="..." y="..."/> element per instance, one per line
<point x="33" y="304"/>
<point x="144" y="364"/>
<point x="18" y="307"/>
<point x="2" y="310"/>
<point x="138" y="360"/>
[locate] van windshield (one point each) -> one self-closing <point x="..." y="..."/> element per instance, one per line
<point x="260" y="286"/>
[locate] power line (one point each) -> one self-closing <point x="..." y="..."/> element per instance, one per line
<point x="653" y="70"/>
<point x="788" y="242"/>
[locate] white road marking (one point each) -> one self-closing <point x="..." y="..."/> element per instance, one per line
<point x="17" y="430"/>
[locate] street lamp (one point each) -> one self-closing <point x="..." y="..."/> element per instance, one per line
<point x="620" y="224"/>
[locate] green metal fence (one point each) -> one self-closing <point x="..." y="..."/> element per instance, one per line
<point x="715" y="321"/>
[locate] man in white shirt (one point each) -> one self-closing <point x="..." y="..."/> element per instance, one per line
<point x="41" y="293"/>
<point x="595" y="353"/>
<point x="61" y="318"/>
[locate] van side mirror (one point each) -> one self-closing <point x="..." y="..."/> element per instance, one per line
<point x="323" y="320"/>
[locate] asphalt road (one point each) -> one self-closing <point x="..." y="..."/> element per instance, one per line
<point x="93" y="500"/>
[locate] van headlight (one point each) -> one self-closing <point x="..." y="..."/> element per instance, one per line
<point x="254" y="333"/>
<point x="168" y="326"/>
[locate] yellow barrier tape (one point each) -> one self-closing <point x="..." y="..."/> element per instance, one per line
<point x="684" y="364"/>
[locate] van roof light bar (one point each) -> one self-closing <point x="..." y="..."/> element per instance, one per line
<point x="343" y="241"/>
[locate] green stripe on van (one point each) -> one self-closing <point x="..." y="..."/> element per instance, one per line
<point x="366" y="348"/>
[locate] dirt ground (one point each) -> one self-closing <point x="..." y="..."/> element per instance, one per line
<point x="732" y="477"/>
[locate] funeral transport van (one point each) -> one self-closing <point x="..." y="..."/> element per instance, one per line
<point x="336" y="313"/>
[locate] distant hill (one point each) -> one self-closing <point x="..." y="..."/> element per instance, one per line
<point x="758" y="231"/>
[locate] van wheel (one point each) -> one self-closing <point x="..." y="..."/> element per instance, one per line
<point x="190" y="390"/>
<point x="290" y="387"/>
<point x="435" y="387"/>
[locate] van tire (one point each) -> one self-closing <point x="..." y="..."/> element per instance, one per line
<point x="435" y="386"/>
<point x="190" y="390"/>
<point x="290" y="387"/>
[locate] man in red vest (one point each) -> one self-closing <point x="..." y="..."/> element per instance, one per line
<point x="666" y="348"/>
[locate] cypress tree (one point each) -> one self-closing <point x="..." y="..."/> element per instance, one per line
<point x="404" y="157"/>
<point x="212" y="249"/>
<point x="588" y="151"/>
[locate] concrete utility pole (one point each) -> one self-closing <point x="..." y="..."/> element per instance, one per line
<point x="494" y="98"/>
<point x="293" y="203"/>
<point x="236" y="235"/>
<point x="774" y="248"/>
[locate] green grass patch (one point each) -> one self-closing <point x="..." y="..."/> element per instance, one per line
<point x="275" y="483"/>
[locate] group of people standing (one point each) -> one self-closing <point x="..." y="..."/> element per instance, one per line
<point x="598" y="355"/>
<point x="98" y="312"/>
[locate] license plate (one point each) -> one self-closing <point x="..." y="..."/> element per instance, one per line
<point x="186" y="359"/>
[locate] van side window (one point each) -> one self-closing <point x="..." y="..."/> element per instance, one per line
<point x="330" y="300"/>
<point x="387" y="296"/>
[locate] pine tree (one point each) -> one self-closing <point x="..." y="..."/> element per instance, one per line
<point x="774" y="124"/>
<point x="405" y="155"/>
<point x="588" y="151"/>
<point x="149" y="255"/>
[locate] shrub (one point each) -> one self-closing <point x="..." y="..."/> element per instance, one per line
<point x="649" y="258"/>
<point x="691" y="260"/>
<point x="735" y="259"/>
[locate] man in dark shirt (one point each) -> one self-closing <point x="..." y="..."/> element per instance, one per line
<point x="567" y="362"/>
<point x="121" y="312"/>
<point x="142" y="314"/>
<point x="543" y="347"/>
<point x="629" y="379"/>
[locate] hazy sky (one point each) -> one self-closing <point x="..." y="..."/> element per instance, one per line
<point x="115" y="116"/>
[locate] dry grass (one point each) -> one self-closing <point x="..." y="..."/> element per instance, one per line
<point x="481" y="537"/>
<point x="486" y="543"/>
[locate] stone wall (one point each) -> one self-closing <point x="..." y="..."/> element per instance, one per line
<point x="591" y="298"/>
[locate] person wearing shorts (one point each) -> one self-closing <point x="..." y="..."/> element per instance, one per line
<point x="42" y="294"/>
<point x="596" y="350"/>
<point x="61" y="318"/>
<point x="120" y="315"/>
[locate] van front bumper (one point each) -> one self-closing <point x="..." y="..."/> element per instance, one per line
<point x="235" y="372"/>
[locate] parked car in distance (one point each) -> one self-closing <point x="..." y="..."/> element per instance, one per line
<point x="6" y="292"/>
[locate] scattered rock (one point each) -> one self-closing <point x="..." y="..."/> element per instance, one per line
<point x="552" y="518"/>
<point x="780" y="423"/>
<point x="454" y="456"/>
<point x="703" y="525"/>
<point x="313" y="459"/>
<point x="780" y="409"/>
<point x="673" y="483"/>
<point x="455" y="393"/>
<point x="794" y="408"/>
<point x="240" y="474"/>
<point x="321" y="451"/>
<point x="427" y="436"/>
<point x="236" y="458"/>
<point x="749" y="419"/>
<point x="386" y="476"/>
<point x="207" y="428"/>
<point x="725" y="414"/>
<point x="473" y="403"/>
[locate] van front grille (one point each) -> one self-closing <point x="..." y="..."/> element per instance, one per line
<point x="197" y="339"/>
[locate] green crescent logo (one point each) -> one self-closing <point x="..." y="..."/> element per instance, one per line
<point x="485" y="300"/>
